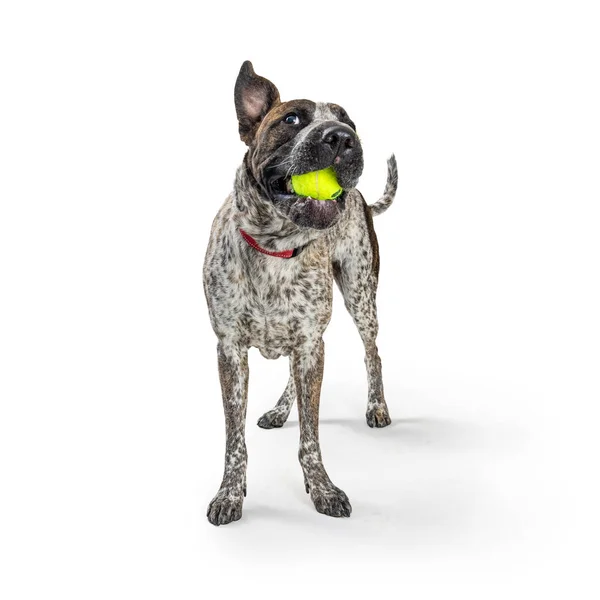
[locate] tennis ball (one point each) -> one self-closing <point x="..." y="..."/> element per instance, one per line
<point x="320" y="185"/>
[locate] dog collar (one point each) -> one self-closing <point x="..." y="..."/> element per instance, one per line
<point x="282" y="254"/>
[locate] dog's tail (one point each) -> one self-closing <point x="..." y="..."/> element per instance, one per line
<point x="390" y="189"/>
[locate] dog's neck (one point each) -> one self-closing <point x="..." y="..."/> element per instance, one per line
<point x="255" y="214"/>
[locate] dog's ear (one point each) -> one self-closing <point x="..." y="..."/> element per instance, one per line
<point x="255" y="96"/>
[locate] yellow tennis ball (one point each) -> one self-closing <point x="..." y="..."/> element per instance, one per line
<point x="320" y="185"/>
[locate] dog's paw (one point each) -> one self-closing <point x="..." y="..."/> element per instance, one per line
<point x="224" y="508"/>
<point x="273" y="418"/>
<point x="332" y="502"/>
<point x="378" y="416"/>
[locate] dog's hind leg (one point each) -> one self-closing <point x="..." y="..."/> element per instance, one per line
<point x="278" y="415"/>
<point x="356" y="271"/>
<point x="226" y="506"/>
<point x="359" y="297"/>
<point x="307" y="368"/>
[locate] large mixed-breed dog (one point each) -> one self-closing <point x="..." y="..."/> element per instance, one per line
<point x="269" y="270"/>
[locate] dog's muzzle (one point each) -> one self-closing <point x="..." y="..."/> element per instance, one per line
<point x="326" y="144"/>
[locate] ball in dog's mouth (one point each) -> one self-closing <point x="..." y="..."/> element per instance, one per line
<point x="282" y="189"/>
<point x="320" y="185"/>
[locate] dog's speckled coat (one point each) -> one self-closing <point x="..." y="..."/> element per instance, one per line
<point x="282" y="306"/>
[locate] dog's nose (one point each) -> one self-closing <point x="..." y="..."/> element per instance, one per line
<point x="339" y="138"/>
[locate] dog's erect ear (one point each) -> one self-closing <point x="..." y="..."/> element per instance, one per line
<point x="255" y="96"/>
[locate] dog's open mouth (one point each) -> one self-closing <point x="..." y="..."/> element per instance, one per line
<point x="304" y="210"/>
<point x="282" y="186"/>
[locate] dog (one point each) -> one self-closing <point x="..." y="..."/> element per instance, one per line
<point x="269" y="271"/>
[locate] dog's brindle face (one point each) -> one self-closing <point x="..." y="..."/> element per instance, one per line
<point x="292" y="138"/>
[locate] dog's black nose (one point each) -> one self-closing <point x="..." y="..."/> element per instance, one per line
<point x="339" y="138"/>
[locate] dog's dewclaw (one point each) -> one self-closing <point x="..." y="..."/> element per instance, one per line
<point x="320" y="185"/>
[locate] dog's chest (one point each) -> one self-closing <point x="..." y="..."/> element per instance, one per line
<point x="275" y="304"/>
<point x="288" y="307"/>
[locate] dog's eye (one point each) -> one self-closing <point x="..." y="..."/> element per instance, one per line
<point x="291" y="119"/>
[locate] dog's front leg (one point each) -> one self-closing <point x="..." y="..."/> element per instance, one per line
<point x="226" y="506"/>
<point x="307" y="368"/>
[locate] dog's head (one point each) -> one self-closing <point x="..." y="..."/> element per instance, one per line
<point x="292" y="138"/>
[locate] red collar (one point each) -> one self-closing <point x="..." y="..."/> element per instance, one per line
<point x="282" y="254"/>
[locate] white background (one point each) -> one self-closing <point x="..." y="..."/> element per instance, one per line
<point x="119" y="142"/>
